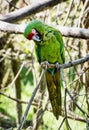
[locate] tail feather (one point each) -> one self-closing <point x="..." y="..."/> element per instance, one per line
<point x="54" y="89"/>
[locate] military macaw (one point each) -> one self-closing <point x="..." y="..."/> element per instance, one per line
<point x="50" y="48"/>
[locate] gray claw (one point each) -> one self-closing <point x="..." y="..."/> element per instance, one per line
<point x="57" y="65"/>
<point x="47" y="64"/>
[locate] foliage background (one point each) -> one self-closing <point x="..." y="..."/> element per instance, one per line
<point x="17" y="54"/>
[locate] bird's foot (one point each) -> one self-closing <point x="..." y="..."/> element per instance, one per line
<point x="45" y="64"/>
<point x="57" y="65"/>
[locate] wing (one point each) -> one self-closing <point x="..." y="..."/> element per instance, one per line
<point x="38" y="55"/>
<point x="60" y="40"/>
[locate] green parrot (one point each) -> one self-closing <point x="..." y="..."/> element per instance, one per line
<point x="50" y="48"/>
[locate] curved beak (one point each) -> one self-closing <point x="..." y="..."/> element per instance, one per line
<point x="36" y="38"/>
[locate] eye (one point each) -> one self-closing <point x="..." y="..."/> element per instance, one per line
<point x="33" y="30"/>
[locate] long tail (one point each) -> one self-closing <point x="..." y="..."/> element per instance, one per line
<point x="53" y="84"/>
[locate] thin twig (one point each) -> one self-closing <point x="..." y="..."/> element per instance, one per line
<point x="33" y="70"/>
<point x="76" y="103"/>
<point x="25" y="2"/>
<point x="63" y="82"/>
<point x="87" y="122"/>
<point x="82" y="12"/>
<point x="14" y="99"/>
<point x="72" y="115"/>
<point x="72" y="47"/>
<point x="68" y="13"/>
<point x="12" y="83"/>
<point x="39" y="115"/>
<point x="2" y="59"/>
<point x="66" y="120"/>
<point x="30" y="101"/>
<point x="86" y="11"/>
<point x="83" y="72"/>
<point x="10" y="3"/>
<point x="61" y="123"/>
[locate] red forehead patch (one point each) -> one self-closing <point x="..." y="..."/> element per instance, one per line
<point x="30" y="35"/>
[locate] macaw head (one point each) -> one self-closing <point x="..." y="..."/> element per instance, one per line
<point x="34" y="30"/>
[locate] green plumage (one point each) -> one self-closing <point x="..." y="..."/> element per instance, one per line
<point x="50" y="48"/>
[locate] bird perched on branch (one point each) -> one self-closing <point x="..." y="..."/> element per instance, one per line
<point x="50" y="48"/>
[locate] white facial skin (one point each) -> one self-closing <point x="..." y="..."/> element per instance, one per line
<point x="35" y="37"/>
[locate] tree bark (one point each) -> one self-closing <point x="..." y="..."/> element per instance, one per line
<point x="29" y="10"/>
<point x="66" y="31"/>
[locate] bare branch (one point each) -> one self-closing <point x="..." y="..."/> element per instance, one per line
<point x="11" y="28"/>
<point x="75" y="116"/>
<point x="66" y="31"/>
<point x="70" y="116"/>
<point x="17" y="74"/>
<point x="68" y="13"/>
<point x="66" y="120"/>
<point x="74" y="32"/>
<point x="12" y="4"/>
<point x="30" y="101"/>
<point x="61" y="123"/>
<point x="14" y="99"/>
<point x="17" y="100"/>
<point x="76" y="103"/>
<point x="29" y="10"/>
<point x="82" y="12"/>
<point x="69" y="64"/>
<point x="83" y="71"/>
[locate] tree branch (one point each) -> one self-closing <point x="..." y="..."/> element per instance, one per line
<point x="12" y="28"/>
<point x="69" y="10"/>
<point x="74" y="32"/>
<point x="69" y="64"/>
<point x="17" y="100"/>
<point x="14" y="99"/>
<point x="66" y="31"/>
<point x="70" y="116"/>
<point x="29" y="10"/>
<point x="30" y="101"/>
